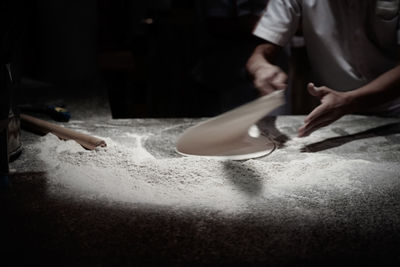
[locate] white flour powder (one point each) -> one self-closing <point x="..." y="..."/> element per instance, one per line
<point x="129" y="173"/>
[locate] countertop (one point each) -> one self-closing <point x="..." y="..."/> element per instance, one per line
<point x="332" y="197"/>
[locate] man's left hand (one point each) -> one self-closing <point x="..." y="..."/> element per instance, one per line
<point x="333" y="106"/>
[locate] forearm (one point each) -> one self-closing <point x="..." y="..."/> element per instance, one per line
<point x="381" y="90"/>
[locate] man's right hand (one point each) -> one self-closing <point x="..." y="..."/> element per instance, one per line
<point x="266" y="76"/>
<point x="269" y="78"/>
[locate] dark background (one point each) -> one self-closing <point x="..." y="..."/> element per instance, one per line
<point x="159" y="58"/>
<point x="152" y="58"/>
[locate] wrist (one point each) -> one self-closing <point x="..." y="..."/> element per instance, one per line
<point x="352" y="100"/>
<point x="256" y="63"/>
<point x="262" y="56"/>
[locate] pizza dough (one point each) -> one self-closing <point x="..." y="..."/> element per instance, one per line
<point x="232" y="135"/>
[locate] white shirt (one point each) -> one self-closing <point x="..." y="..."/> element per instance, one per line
<point x="349" y="42"/>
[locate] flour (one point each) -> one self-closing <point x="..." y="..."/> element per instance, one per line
<point x="125" y="171"/>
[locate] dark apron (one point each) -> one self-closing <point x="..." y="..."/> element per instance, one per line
<point x="5" y="100"/>
<point x="11" y="27"/>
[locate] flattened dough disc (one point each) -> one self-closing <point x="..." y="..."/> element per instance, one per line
<point x="227" y="135"/>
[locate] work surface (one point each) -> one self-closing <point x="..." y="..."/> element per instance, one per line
<point x="331" y="197"/>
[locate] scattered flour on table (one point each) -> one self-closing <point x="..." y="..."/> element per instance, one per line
<point x="129" y="173"/>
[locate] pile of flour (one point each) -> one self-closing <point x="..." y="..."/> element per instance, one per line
<point x="130" y="173"/>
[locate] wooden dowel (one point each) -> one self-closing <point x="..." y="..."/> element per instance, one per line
<point x="44" y="127"/>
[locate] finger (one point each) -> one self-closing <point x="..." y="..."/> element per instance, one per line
<point x="309" y="125"/>
<point x="280" y="77"/>
<point x="264" y="83"/>
<point x="279" y="81"/>
<point x="307" y="129"/>
<point x="323" y="120"/>
<point x="268" y="74"/>
<point x="265" y="90"/>
<point x="316" y="91"/>
<point x="311" y="89"/>
<point x="317" y="112"/>
<point x="271" y="87"/>
<point x="279" y="86"/>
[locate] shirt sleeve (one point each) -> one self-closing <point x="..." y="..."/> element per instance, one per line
<point x="279" y="21"/>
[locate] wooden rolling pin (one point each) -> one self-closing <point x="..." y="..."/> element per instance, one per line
<point x="44" y="127"/>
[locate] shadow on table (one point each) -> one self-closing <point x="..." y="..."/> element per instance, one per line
<point x="244" y="177"/>
<point x="39" y="228"/>
<point x="384" y="130"/>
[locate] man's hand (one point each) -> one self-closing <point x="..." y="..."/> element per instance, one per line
<point x="333" y="106"/>
<point x="266" y="76"/>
